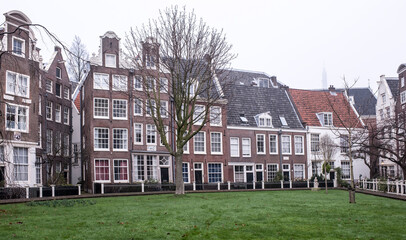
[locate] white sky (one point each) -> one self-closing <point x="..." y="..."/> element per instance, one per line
<point x="290" y="39"/>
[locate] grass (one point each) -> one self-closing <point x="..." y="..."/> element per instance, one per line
<point x="235" y="215"/>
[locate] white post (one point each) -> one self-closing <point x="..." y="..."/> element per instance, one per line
<point x="102" y="188"/>
<point x="281" y="183"/>
<point x="402" y="185"/>
<point x="53" y="190"/>
<point x="142" y="187"/>
<point x="253" y="185"/>
<point x="336" y="183"/>
<point x="194" y="186"/>
<point x="308" y="183"/>
<point x="290" y="183"/>
<point x="40" y="192"/>
<point x="363" y="184"/>
<point x="79" y="190"/>
<point x="374" y="185"/>
<point x="397" y="187"/>
<point x="218" y="186"/>
<point x="27" y="192"/>
<point x="228" y="185"/>
<point x="263" y="185"/>
<point x="388" y="185"/>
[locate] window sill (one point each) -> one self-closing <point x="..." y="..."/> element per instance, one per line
<point x="200" y="153"/>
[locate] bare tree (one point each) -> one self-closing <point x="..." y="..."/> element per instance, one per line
<point x="327" y="149"/>
<point x="181" y="57"/>
<point x="77" y="59"/>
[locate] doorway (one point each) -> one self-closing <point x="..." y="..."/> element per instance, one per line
<point x="198" y="167"/>
<point x="164" y="175"/>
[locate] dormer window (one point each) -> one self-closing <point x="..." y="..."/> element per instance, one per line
<point x="18" y="46"/>
<point x="283" y="121"/>
<point x="263" y="82"/>
<point x="264" y="120"/>
<point x="325" y="118"/>
<point x="110" y="60"/>
<point x="58" y="73"/>
<point x="243" y="118"/>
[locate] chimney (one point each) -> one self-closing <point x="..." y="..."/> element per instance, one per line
<point x="57" y="49"/>
<point x="274" y="81"/>
<point x="331" y="88"/>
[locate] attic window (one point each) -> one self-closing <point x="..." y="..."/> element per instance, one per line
<point x="264" y="120"/>
<point x="243" y="118"/>
<point x="263" y="82"/>
<point x="283" y="121"/>
<point x="325" y="118"/>
<point x="110" y="60"/>
<point x="58" y="73"/>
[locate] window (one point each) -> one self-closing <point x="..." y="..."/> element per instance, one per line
<point x="40" y="105"/>
<point x="150" y="107"/>
<point x="149" y="61"/>
<point x="388" y="112"/>
<point x="164" y="109"/>
<point x="50" y="141"/>
<point x="299" y="148"/>
<point x="264" y="120"/>
<point x="58" y="73"/>
<point x="40" y="135"/>
<point x="58" y="145"/>
<point x="139" y="168"/>
<point x="234" y="147"/>
<point x="18" y="84"/>
<point x="260" y="144"/>
<point x="21" y="164"/>
<point x="151" y="134"/>
<point x="273" y="144"/>
<point x="246" y="147"/>
<point x="58" y="167"/>
<point x="403" y="97"/>
<point x="138" y="83"/>
<point x="263" y="82"/>
<point x="286" y="146"/>
<point x="120" y="83"/>
<point x="110" y="60"/>
<point x="239" y="174"/>
<point x="163" y="85"/>
<point x="215" y="116"/>
<point x="152" y="167"/>
<point x="102" y="170"/>
<point x="402" y="82"/>
<point x="101" y="81"/>
<point x="120" y="139"/>
<point x="345" y="167"/>
<point x="198" y="114"/>
<point x="383" y="98"/>
<point x="58" y="90"/>
<point x="283" y="121"/>
<point x="16" y="118"/>
<point x="101" y="139"/>
<point x="326" y="119"/>
<point x="145" y="167"/>
<point x="185" y="172"/>
<point x="344" y="145"/>
<point x="215" y="172"/>
<point x="18" y="46"/>
<point x="57" y="113"/>
<point x="48" y="110"/>
<point x="216" y="143"/>
<point x="137" y="133"/>
<point x="314" y="143"/>
<point x="316" y="168"/>
<point x="66" y="115"/>
<point x="120" y="170"/>
<point x="38" y="172"/>
<point x="66" y="93"/>
<point x="166" y="130"/>
<point x="272" y="170"/>
<point x="101" y="108"/>
<point x="186" y="146"/>
<point x="119" y="109"/>
<point x="298" y="171"/>
<point x="200" y="142"/>
<point x="66" y="145"/>
<point x="149" y="84"/>
<point x="137" y="107"/>
<point x="48" y="86"/>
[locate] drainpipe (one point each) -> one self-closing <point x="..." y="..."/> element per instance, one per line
<point x="280" y="150"/>
<point x="172" y="139"/>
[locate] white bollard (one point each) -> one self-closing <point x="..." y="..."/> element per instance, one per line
<point x="102" y="188"/>
<point x="40" y="192"/>
<point x="281" y="183"/>
<point x="228" y="185"/>
<point x="374" y="185"/>
<point x="218" y="186"/>
<point x="363" y="184"/>
<point x="290" y="183"/>
<point x="79" y="190"/>
<point x="388" y="185"/>
<point x="308" y="183"/>
<point x="142" y="187"/>
<point x="336" y="183"/>
<point x="194" y="186"/>
<point x="253" y="185"/>
<point x="263" y="185"/>
<point x="27" y="192"/>
<point x="397" y="187"/>
<point x="402" y="187"/>
<point x="53" y="190"/>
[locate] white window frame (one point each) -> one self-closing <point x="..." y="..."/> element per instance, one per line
<point x="188" y="172"/>
<point x="66" y="116"/>
<point x="149" y="107"/>
<point x="198" y="116"/>
<point x="154" y="134"/>
<point x="303" y="171"/>
<point x="99" y="81"/>
<point x="138" y="105"/>
<point x="302" y="145"/>
<point x="17" y="84"/>
<point x="66" y="92"/>
<point x="51" y="90"/>
<point x="94" y="108"/>
<point x="124" y="139"/>
<point x="58" y="94"/>
<point x="235" y="145"/>
<point x="164" y="111"/>
<point x="276" y="144"/>
<point x="40" y="105"/>
<point x="142" y="134"/>
<point x="204" y="143"/>
<point x="17" y="119"/>
<point x="120" y="83"/>
<point x="208" y="173"/>
<point x="58" y="115"/>
<point x="349" y="169"/>
<point x="214" y="118"/>
<point x="126" y="109"/>
<point x="290" y="144"/>
<point x="163" y="85"/>
<point x="166" y="129"/>
<point x="267" y="171"/>
<point x="114" y="173"/>
<point x="403" y="97"/>
<point x="249" y="147"/>
<point x="23" y="165"/>
<point x="211" y="143"/>
<point x="22" y="54"/>
<point x="138" y="79"/>
<point x="94" y="139"/>
<point x="108" y="63"/>
<point x="50" y="111"/>
<point x="108" y="165"/>
<point x="264" y="144"/>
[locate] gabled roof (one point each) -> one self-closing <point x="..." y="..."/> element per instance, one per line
<point x="249" y="101"/>
<point x="364" y="100"/>
<point x="401" y="68"/>
<point x="393" y="84"/>
<point x="311" y="102"/>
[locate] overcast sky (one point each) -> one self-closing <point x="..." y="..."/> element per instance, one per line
<point x="292" y="40"/>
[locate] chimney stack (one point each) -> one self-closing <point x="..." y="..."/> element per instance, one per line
<point x="274" y="81"/>
<point x="332" y="88"/>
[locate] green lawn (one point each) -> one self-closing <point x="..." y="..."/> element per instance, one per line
<point x="239" y="215"/>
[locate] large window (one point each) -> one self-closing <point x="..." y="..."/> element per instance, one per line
<point x="286" y="146"/>
<point x="216" y="143"/>
<point x="145" y="167"/>
<point x="38" y="171"/>
<point x="299" y="148"/>
<point x="120" y="170"/>
<point x="16" y="118"/>
<point x="139" y="170"/>
<point x="298" y="171"/>
<point x="58" y="73"/>
<point x="138" y="83"/>
<point x="119" y="109"/>
<point x="326" y="119"/>
<point x="260" y="144"/>
<point x="151" y="134"/>
<point x="239" y="173"/>
<point x="120" y="83"/>
<point x="101" y="139"/>
<point x="66" y="145"/>
<point x="314" y="143"/>
<point x="272" y="170"/>
<point x="57" y="113"/>
<point x="110" y="60"/>
<point x="345" y="168"/>
<point x="102" y="170"/>
<point x="17" y="84"/>
<point x="137" y="107"/>
<point x="234" y="147"/>
<point x="66" y="115"/>
<point x="66" y="93"/>
<point x="200" y="142"/>
<point x="120" y="139"/>
<point x="198" y="114"/>
<point x="164" y="109"/>
<point x="149" y="84"/>
<point x="48" y="86"/>
<point x="215" y="116"/>
<point x="150" y="107"/>
<point x="101" y="81"/>
<point x="18" y="46"/>
<point x="163" y="85"/>
<point x="101" y="108"/>
<point x="316" y="168"/>
<point x="215" y="172"/>
<point x="21" y="164"/>
<point x="138" y="133"/>
<point x="246" y="147"/>
<point x="152" y="167"/>
<point x="58" y="90"/>
<point x="50" y="141"/>
<point x="344" y="145"/>
<point x="185" y="172"/>
<point x="48" y="110"/>
<point x="273" y="144"/>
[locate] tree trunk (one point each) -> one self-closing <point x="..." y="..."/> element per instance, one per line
<point x="404" y="173"/>
<point x="325" y="177"/>
<point x="178" y="175"/>
<point x="352" y="188"/>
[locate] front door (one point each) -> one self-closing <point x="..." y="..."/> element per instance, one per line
<point x="259" y="177"/>
<point x="332" y="175"/>
<point x="164" y="175"/>
<point x="2" y="178"/>
<point x="199" y="175"/>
